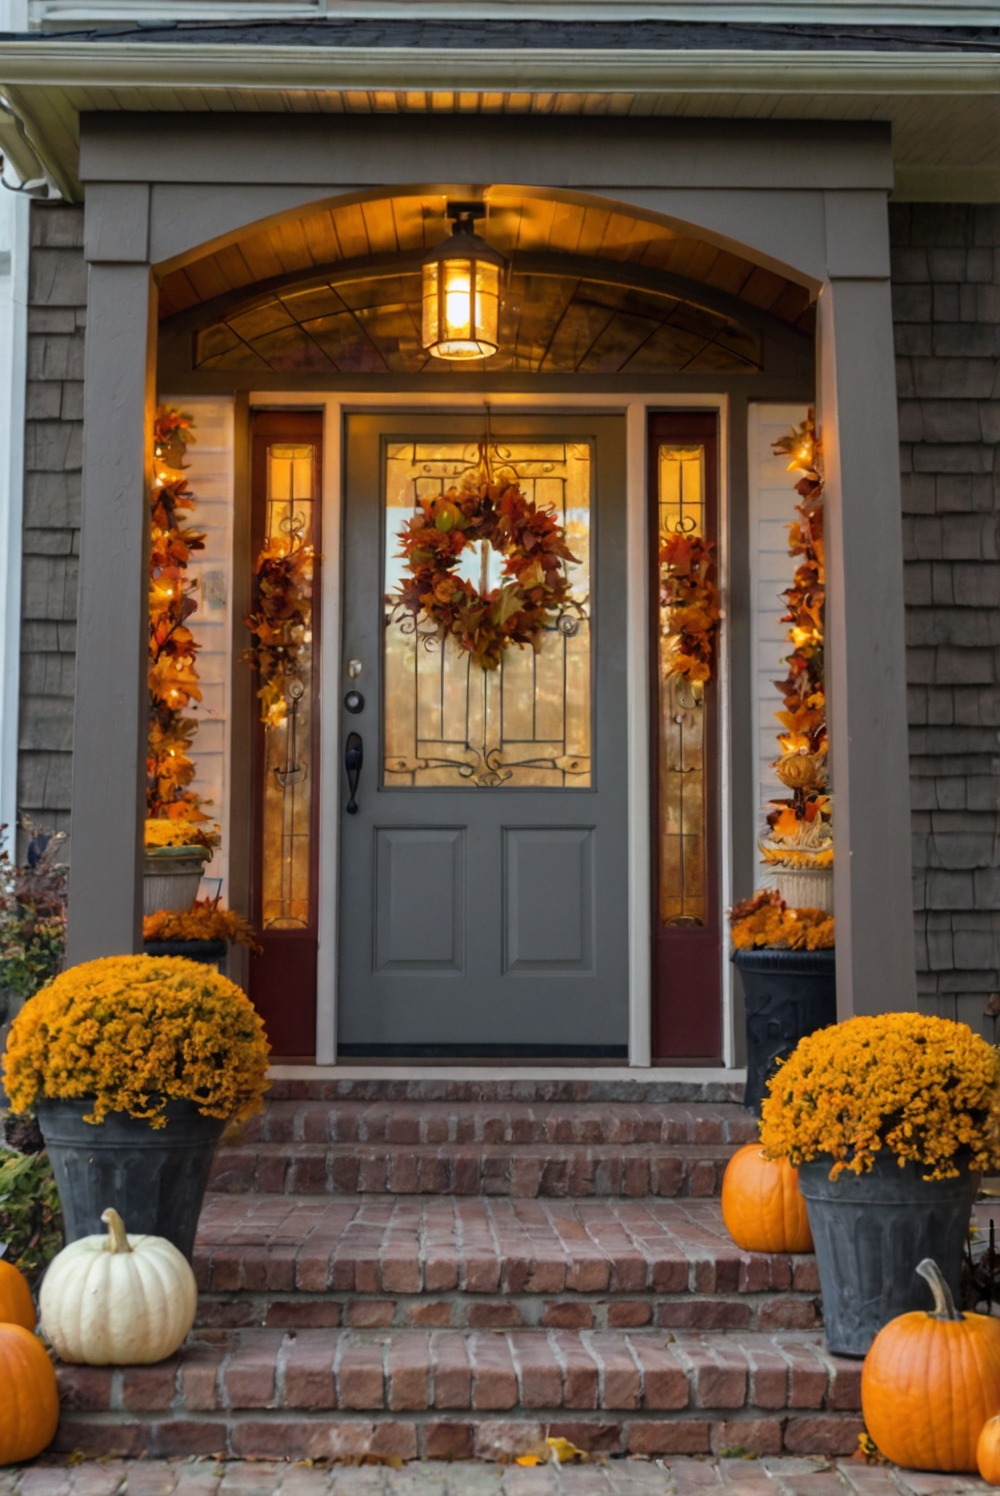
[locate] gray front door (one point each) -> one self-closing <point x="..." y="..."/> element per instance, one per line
<point x="483" y="876"/>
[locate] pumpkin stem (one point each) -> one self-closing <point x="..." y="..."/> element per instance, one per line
<point x="117" y="1239"/>
<point x="944" y="1304"/>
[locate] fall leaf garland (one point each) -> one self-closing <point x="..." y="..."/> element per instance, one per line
<point x="173" y="674"/>
<point x="690" y="595"/>
<point x="803" y="692"/>
<point x="802" y="767"/>
<point x="534" y="583"/>
<point x="280" y="622"/>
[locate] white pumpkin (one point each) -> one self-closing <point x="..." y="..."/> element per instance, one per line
<point x="117" y="1300"/>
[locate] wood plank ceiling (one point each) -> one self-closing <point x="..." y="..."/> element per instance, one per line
<point x="514" y="225"/>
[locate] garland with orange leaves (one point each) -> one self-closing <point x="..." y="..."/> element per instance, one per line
<point x="804" y="820"/>
<point x="690" y="594"/>
<point x="173" y="649"/>
<point x="534" y="584"/>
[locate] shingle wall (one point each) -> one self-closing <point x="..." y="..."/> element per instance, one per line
<point x="57" y="300"/>
<point x="946" y="288"/>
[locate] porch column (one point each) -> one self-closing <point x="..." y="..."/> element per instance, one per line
<point x="866" y="659"/>
<point x="109" y="729"/>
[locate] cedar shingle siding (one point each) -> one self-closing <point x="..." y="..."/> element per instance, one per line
<point x="946" y="288"/>
<point x="57" y="300"/>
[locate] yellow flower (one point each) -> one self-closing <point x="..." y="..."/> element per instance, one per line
<point x="131" y="1033"/>
<point x="174" y="832"/>
<point x="925" y="1088"/>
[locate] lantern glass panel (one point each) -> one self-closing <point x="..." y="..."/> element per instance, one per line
<point x="460" y="322"/>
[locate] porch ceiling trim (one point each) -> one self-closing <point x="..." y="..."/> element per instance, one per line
<point x="930" y="97"/>
<point x="55" y="62"/>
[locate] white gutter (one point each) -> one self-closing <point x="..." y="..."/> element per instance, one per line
<point x="55" y="62"/>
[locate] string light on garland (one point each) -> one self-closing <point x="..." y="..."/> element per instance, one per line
<point x="173" y="674"/>
<point x="800" y="829"/>
<point x="461" y="291"/>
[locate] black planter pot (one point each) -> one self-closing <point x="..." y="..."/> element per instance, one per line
<point x="208" y="952"/>
<point x="788" y="994"/>
<point x="155" y="1179"/>
<point x="870" y="1232"/>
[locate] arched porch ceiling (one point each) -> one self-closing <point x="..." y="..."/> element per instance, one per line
<point x="521" y="227"/>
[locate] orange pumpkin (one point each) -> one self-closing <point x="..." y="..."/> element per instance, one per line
<point x="17" y="1307"/>
<point x="29" y="1397"/>
<point x="762" y="1205"/>
<point x="988" y="1450"/>
<point x="931" y="1381"/>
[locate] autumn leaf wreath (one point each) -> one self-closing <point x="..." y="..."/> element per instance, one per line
<point x="534" y="583"/>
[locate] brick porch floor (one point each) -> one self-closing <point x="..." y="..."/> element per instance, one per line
<point x="629" y="1477"/>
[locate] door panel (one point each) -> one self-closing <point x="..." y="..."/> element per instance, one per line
<point x="484" y="875"/>
<point x="414" y="933"/>
<point x="549" y="903"/>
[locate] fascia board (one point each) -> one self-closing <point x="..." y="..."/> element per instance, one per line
<point x="57" y="63"/>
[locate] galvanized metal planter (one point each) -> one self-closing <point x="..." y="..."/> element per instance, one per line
<point x="154" y="1178"/>
<point x="788" y="994"/>
<point x="870" y="1232"/>
<point x="171" y="876"/>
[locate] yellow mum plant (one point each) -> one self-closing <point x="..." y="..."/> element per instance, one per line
<point x="925" y="1088"/>
<point x="130" y="1033"/>
<point x="161" y="832"/>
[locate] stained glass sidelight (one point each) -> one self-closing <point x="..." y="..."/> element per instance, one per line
<point x="291" y="523"/>
<point x="448" y="721"/>
<point x="682" y="799"/>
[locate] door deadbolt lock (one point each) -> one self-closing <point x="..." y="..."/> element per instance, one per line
<point x="354" y="702"/>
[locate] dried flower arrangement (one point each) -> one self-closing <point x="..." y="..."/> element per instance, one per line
<point x="765" y="921"/>
<point x="205" y="920"/>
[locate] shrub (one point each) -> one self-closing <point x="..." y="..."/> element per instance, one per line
<point x="32" y="914"/>
<point x="30" y="1217"/>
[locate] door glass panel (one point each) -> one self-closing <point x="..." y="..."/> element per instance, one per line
<point x="287" y="563"/>
<point x="446" y="720"/>
<point x="683" y="882"/>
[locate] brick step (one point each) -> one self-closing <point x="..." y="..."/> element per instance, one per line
<point x="528" y="1170"/>
<point x="309" y="1120"/>
<point x="604" y="1263"/>
<point x="373" y="1086"/>
<point x="322" y="1393"/>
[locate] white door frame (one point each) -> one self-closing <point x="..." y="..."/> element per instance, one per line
<point x="635" y="409"/>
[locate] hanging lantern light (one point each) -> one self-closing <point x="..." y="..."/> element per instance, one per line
<point x="461" y="290"/>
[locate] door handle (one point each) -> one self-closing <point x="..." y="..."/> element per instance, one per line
<point x="354" y="757"/>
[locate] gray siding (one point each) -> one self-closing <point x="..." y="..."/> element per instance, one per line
<point x="57" y="300"/>
<point x="946" y="285"/>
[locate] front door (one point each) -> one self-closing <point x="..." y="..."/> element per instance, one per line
<point x="483" y="877"/>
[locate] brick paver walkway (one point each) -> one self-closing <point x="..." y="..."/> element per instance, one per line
<point x="627" y="1477"/>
